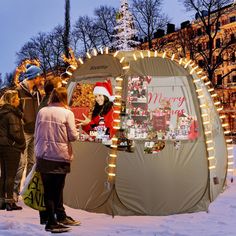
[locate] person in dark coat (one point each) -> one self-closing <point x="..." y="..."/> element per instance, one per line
<point x="12" y="144"/>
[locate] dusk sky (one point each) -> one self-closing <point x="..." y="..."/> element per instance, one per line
<point x="22" y="20"/>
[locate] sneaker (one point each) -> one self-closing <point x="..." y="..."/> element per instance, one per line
<point x="57" y="228"/>
<point x="69" y="221"/>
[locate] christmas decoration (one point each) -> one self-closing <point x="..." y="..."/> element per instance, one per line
<point x="125" y="29"/>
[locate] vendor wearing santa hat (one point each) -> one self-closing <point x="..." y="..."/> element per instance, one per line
<point x="103" y="110"/>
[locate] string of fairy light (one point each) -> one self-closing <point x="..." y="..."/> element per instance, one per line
<point x="208" y="103"/>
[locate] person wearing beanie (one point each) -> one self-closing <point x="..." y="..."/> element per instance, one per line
<point x="103" y="109"/>
<point x="30" y="97"/>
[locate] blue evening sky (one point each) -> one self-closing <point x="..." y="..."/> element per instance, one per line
<point x="21" y="20"/>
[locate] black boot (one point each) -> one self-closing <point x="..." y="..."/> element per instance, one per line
<point x="11" y="205"/>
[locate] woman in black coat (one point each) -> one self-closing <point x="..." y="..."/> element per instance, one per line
<point x="12" y="143"/>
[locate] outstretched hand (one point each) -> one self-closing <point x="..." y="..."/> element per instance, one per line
<point x="85" y="121"/>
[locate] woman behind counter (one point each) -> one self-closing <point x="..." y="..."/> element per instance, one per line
<point x="12" y="143"/>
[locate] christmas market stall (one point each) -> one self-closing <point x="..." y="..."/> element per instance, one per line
<point x="159" y="148"/>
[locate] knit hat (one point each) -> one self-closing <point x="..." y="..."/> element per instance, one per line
<point x="32" y="71"/>
<point x="104" y="88"/>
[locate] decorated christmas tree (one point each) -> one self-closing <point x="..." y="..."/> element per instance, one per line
<point x="125" y="31"/>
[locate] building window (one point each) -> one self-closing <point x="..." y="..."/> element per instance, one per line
<point x="232" y="38"/>
<point x="234" y="79"/>
<point x="201" y="63"/>
<point x="219" y="79"/>
<point x="199" y="47"/>
<point x="232" y="19"/>
<point x="218" y="43"/>
<point x="199" y="32"/>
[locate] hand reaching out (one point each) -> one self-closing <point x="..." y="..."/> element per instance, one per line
<point x="85" y="121"/>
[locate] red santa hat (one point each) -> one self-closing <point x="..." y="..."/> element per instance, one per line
<point x="104" y="88"/>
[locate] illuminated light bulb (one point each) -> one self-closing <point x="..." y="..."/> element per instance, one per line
<point x="222" y="117"/>
<point x="213" y="95"/>
<point x="180" y="61"/>
<point x="219" y="109"/>
<point x="112" y="165"/>
<point x="155" y="53"/>
<point x="164" y="55"/>
<point x="211" y="167"/>
<point x="114" y="139"/>
<point x="207" y="83"/>
<point x="101" y="50"/>
<point x="211" y="158"/>
<point x="199" y="90"/>
<point x="203" y="77"/>
<point x="113" y="155"/>
<point x="193" y="69"/>
<point x="204" y="115"/>
<point x="196" y="80"/>
<point x="199" y="72"/>
<point x="88" y="55"/>
<point x="81" y="61"/>
<point x="210" y="90"/>
<point x="69" y="73"/>
<point x="114" y="146"/>
<point x="203" y="105"/>
<point x="119" y="79"/>
<point x="118" y="87"/>
<point x="217" y="103"/>
<point x="230" y="156"/>
<point x="210" y="148"/>
<point x="229" y="170"/>
<point x="229" y="140"/>
<point x="209" y="141"/>
<point x="206" y="122"/>
<point x="225" y="125"/>
<point x="172" y="57"/>
<point x="122" y="59"/>
<point x="117" y="120"/>
<point x="95" y="53"/>
<point x="116" y="53"/>
<point x="107" y="50"/>
<point x="125" y="67"/>
<point x="186" y="65"/>
<point x="134" y="56"/>
<point x="192" y="64"/>
<point x="118" y="96"/>
<point x="117" y="112"/>
<point x="111" y="174"/>
<point x="230" y="163"/>
<point x="200" y="96"/>
<point x="230" y="148"/>
<point x="149" y="53"/>
<point x="141" y="54"/>
<point x="208" y="132"/>
<point x="116" y="127"/>
<point x="117" y="103"/>
<point x="72" y="67"/>
<point x="227" y="132"/>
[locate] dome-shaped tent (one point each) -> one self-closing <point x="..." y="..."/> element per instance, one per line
<point x="186" y="175"/>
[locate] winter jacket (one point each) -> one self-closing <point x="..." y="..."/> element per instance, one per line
<point x="11" y="130"/>
<point x="54" y="130"/>
<point x="29" y="103"/>
<point x="108" y="122"/>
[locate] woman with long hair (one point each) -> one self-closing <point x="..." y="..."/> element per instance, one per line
<point x="12" y="144"/>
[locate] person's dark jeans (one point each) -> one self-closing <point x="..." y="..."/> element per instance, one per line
<point x="53" y="196"/>
<point x="9" y="162"/>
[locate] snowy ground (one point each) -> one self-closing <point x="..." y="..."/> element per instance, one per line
<point x="219" y="221"/>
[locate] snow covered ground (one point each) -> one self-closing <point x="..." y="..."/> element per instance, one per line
<point x="219" y="221"/>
